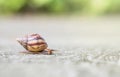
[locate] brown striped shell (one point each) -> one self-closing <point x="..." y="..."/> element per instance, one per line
<point x="33" y="43"/>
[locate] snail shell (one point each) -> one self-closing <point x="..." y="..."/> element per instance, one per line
<point x="33" y="43"/>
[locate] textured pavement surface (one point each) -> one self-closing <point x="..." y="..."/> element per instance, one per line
<point x="85" y="47"/>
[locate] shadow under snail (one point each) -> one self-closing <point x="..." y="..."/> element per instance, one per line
<point x="35" y="44"/>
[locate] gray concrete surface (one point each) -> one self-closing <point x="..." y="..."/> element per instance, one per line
<point x="86" y="47"/>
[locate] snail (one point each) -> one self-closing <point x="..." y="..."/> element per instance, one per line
<point x="34" y="43"/>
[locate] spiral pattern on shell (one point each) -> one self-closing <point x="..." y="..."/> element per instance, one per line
<point x="33" y="43"/>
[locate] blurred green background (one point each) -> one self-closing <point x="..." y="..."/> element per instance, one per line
<point x="86" y="7"/>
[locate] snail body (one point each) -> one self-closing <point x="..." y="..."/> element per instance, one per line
<point x="34" y="43"/>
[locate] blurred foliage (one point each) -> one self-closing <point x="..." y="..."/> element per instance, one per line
<point x="97" y="7"/>
<point x="114" y="6"/>
<point x="9" y="6"/>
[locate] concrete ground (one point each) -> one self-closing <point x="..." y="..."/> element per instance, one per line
<point x="85" y="47"/>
